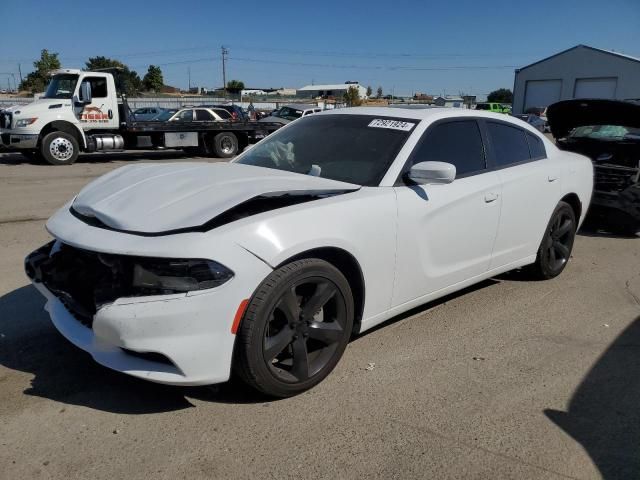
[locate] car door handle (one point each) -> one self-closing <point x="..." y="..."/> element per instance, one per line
<point x="552" y="178"/>
<point x="490" y="197"/>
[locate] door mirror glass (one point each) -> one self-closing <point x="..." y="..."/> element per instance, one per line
<point x="84" y="95"/>
<point x="432" y="173"/>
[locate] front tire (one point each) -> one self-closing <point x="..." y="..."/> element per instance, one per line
<point x="557" y="243"/>
<point x="60" y="148"/>
<point x="295" y="329"/>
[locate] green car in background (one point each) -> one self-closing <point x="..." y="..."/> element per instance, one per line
<point x="494" y="107"/>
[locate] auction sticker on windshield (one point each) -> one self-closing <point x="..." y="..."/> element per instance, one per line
<point x="393" y="124"/>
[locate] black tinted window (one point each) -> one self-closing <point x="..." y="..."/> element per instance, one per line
<point x="458" y="143"/>
<point x="509" y="144"/>
<point x="222" y="113"/>
<point x="204" y="116"/>
<point x="536" y="146"/>
<point x="98" y="86"/>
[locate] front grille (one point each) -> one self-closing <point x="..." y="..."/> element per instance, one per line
<point x="612" y="178"/>
<point x="5" y="119"/>
<point x="82" y="280"/>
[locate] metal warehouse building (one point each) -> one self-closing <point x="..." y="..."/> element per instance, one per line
<point x="579" y="72"/>
<point x="335" y="91"/>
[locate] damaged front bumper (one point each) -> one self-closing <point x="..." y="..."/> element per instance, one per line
<point x="178" y="339"/>
<point x="616" y="195"/>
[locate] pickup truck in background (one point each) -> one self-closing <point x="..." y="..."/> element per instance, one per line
<point x="81" y="112"/>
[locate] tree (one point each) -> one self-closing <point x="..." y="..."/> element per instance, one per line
<point x="127" y="81"/>
<point x="153" y="79"/>
<point x="235" y="86"/>
<point x="502" y="95"/>
<point x="352" y="97"/>
<point x="37" y="80"/>
<point x="379" y="92"/>
<point x="369" y="91"/>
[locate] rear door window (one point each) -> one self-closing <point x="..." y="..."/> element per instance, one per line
<point x="536" y="146"/>
<point x="509" y="144"/>
<point x="204" y="116"/>
<point x="456" y="142"/>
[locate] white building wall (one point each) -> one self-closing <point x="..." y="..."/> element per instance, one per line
<point x="577" y="65"/>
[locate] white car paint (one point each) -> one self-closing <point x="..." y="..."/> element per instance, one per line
<point x="412" y="243"/>
<point x="157" y="198"/>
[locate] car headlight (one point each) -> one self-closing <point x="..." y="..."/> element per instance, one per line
<point x="24" y="122"/>
<point x="166" y="276"/>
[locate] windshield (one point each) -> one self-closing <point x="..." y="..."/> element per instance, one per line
<point x="61" y="86"/>
<point x="288" y="113"/>
<point x="483" y="106"/>
<point x="350" y="148"/>
<point x="606" y="132"/>
<point x="164" y="116"/>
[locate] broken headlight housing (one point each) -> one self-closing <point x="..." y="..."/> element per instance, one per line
<point x="153" y="276"/>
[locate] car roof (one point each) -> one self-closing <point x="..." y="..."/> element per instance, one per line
<point x="417" y="114"/>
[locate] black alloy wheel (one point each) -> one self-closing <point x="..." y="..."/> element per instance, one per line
<point x="555" y="249"/>
<point x="295" y="329"/>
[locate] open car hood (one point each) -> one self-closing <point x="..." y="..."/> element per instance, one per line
<point x="566" y="115"/>
<point x="163" y="199"/>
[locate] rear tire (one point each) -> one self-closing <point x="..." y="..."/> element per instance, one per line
<point x="556" y="246"/>
<point x="295" y="329"/>
<point x="225" y="145"/>
<point x="60" y="148"/>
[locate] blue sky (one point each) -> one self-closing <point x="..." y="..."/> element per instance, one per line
<point x="408" y="46"/>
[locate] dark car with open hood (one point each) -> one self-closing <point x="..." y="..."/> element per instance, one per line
<point x="608" y="132"/>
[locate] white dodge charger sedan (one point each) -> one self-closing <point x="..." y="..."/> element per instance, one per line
<point x="266" y="266"/>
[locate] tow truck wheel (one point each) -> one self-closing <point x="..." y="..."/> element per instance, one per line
<point x="60" y="148"/>
<point x="225" y="145"/>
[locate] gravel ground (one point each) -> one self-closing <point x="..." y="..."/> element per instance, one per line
<point x="508" y="379"/>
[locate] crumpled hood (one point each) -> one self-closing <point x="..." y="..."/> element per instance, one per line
<point x="160" y="198"/>
<point x="566" y="115"/>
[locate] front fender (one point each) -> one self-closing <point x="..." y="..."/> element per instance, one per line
<point x="65" y="126"/>
<point x="362" y="223"/>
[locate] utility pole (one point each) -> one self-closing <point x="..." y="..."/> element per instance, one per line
<point x="20" y="72"/>
<point x="225" y="52"/>
<point x="189" y="74"/>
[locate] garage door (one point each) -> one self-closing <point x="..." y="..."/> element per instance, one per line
<point x="595" y="88"/>
<point x="541" y="93"/>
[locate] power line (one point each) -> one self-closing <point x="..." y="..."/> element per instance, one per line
<point x="333" y="65"/>
<point x="327" y="53"/>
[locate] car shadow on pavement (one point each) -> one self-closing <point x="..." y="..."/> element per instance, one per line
<point x="429" y="306"/>
<point x="597" y="232"/>
<point x="61" y="372"/>
<point x="604" y="412"/>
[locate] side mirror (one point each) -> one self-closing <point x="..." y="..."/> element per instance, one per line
<point x="432" y="172"/>
<point x="84" y="94"/>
